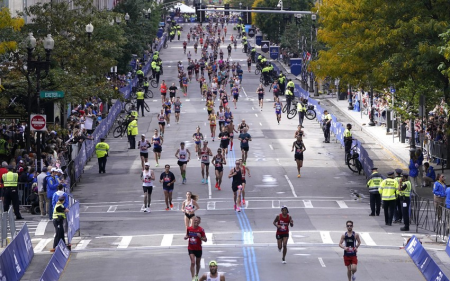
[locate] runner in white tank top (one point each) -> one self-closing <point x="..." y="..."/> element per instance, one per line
<point x="147" y="177"/>
<point x="213" y="274"/>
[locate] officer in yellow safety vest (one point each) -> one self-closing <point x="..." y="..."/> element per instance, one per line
<point x="301" y="110"/>
<point x="10" y="192"/>
<point x="140" y="101"/>
<point x="282" y="82"/>
<point x="59" y="216"/>
<point x="140" y="75"/>
<point x="326" y="125"/>
<point x="388" y="190"/>
<point x="132" y="131"/>
<point x="289" y="98"/>
<point x="348" y="139"/>
<point x="101" y="149"/>
<point x="146" y="85"/>
<point x="153" y="65"/>
<point x="374" y="184"/>
<point x="265" y="72"/>
<point x="291" y="85"/>
<point x="179" y="34"/>
<point x="404" y="191"/>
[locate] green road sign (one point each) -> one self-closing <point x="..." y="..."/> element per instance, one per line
<point x="51" y="94"/>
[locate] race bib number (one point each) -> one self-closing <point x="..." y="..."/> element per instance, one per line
<point x="166" y="179"/>
<point x="182" y="156"/>
<point x="204" y="157"/>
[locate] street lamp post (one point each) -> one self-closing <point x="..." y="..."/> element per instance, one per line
<point x="336" y="83"/>
<point x="372" y="109"/>
<point x="37" y="66"/>
<point x="350" y="100"/>
<point x="118" y="20"/>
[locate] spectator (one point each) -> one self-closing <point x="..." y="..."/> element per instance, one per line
<point x="413" y="170"/>
<point x="430" y="175"/>
<point x="3" y="170"/>
<point x="447" y="198"/>
<point x="43" y="203"/>
<point x="439" y="191"/>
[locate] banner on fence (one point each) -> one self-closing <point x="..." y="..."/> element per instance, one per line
<point x="57" y="263"/>
<point x="73" y="220"/>
<point x="258" y="40"/>
<point x="265" y="46"/>
<point x="447" y="248"/>
<point x="274" y="52"/>
<point x="423" y="261"/>
<point x="17" y="256"/>
<point x="296" y="66"/>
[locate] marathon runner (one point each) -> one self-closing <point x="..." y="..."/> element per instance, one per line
<point x="282" y="222"/>
<point x="163" y="90"/>
<point x="157" y="142"/>
<point x="143" y="145"/>
<point x="167" y="110"/>
<point x="245" y="170"/>
<point x="218" y="161"/>
<point x="183" y="155"/>
<point x="278" y="106"/>
<point x="167" y="178"/>
<point x="147" y="177"/>
<point x="350" y="242"/>
<point x="162" y="121"/>
<point x="196" y="235"/>
<point x="224" y="137"/>
<point x="197" y="137"/>
<point x="260" y="92"/>
<point x="177" y="107"/>
<point x="212" y="275"/>
<point x="245" y="138"/>
<point x="299" y="148"/>
<point x="205" y="153"/>
<point x="172" y="92"/>
<point x="236" y="185"/>
<point x="212" y="124"/>
<point x="189" y="207"/>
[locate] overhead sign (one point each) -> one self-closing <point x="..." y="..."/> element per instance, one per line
<point x="274" y="52"/>
<point x="251" y="32"/>
<point x="38" y="122"/>
<point x="296" y="66"/>
<point x="51" y="94"/>
<point x="258" y="40"/>
<point x="265" y="46"/>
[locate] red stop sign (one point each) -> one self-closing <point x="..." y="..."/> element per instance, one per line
<point x="38" y="122"/>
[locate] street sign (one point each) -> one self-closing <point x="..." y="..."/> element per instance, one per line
<point x="51" y="94"/>
<point x="38" y="122"/>
<point x="274" y="52"/>
<point x="265" y="46"/>
<point x="251" y="32"/>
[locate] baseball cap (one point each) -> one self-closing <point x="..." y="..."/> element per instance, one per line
<point x="142" y="135"/>
<point x="285" y="207"/>
<point x="213" y="263"/>
<point x="53" y="170"/>
<point x="21" y="161"/>
<point x="59" y="171"/>
<point x="147" y="164"/>
<point x="4" y="164"/>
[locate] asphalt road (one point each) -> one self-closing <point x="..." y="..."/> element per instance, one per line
<point x="120" y="242"/>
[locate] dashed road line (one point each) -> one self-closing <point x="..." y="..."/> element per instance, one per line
<point x="290" y="184"/>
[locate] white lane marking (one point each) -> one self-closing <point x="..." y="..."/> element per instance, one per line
<point x="275" y="203"/>
<point x="326" y="237"/>
<point x="112" y="209"/>
<point x="167" y="240"/>
<point x="155" y="100"/>
<point x="290" y="240"/>
<point x="308" y="204"/>
<point x="40" y="229"/>
<point x="268" y="100"/>
<point x="82" y="245"/>
<point x="290" y="184"/>
<point x="271" y="147"/>
<point x="211" y="205"/>
<point x="188" y="100"/>
<point x="366" y="237"/>
<point x="202" y="263"/>
<point x="41" y="245"/>
<point x="243" y="90"/>
<point x="246" y="204"/>
<point x="342" y="204"/>
<point x="253" y="108"/>
<point x="256" y="115"/>
<point x="322" y="263"/>
<point x="126" y="240"/>
<point x="260" y="123"/>
<point x="209" y="239"/>
<point x="209" y="187"/>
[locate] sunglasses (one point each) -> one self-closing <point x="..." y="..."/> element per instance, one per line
<point x="349" y="225"/>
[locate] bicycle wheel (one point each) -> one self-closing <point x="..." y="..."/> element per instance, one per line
<point x="352" y="164"/>
<point x="117" y="132"/>
<point x="128" y="106"/>
<point x="310" y="114"/>
<point x="147" y="108"/>
<point x="149" y="94"/>
<point x="257" y="71"/>
<point x="153" y="83"/>
<point x="133" y="95"/>
<point x="291" y="114"/>
<point x="243" y="50"/>
<point x="284" y="108"/>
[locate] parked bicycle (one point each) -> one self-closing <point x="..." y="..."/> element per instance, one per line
<point x="129" y="104"/>
<point x="310" y="113"/>
<point x="147" y="95"/>
<point x="353" y="162"/>
<point x="121" y="129"/>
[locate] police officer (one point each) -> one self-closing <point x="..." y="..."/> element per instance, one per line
<point x="132" y="131"/>
<point x="101" y="149"/>
<point x="281" y="82"/>
<point x="404" y="189"/>
<point x="146" y="85"/>
<point x="373" y="184"/>
<point x="348" y="142"/>
<point x="179" y="34"/>
<point x="398" y="203"/>
<point x="326" y="125"/>
<point x="388" y="191"/>
<point x="140" y="75"/>
<point x="59" y="216"/>
<point x="289" y="98"/>
<point x="133" y="112"/>
<point x="9" y="181"/>
<point x="252" y="53"/>
<point x="301" y="109"/>
<point x="265" y="72"/>
<point x="157" y="72"/>
<point x="140" y="100"/>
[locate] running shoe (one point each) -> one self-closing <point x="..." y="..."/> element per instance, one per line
<point x="298" y="175"/>
<point x="206" y="181"/>
<point x="218" y="188"/>
<point x="243" y="201"/>
<point x="148" y="210"/>
<point x="235" y="207"/>
<point x="217" y="185"/>
<point x="167" y="209"/>
<point x="203" y="180"/>
<point x="353" y="277"/>
<point x="238" y="209"/>
<point x="283" y="262"/>
<point x="171" y="205"/>
<point x="157" y="165"/>
<point x="145" y="210"/>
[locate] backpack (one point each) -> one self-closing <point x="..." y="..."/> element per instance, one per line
<point x="44" y="188"/>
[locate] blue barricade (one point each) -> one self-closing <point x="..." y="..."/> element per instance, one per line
<point x="430" y="270"/>
<point x="73" y="220"/>
<point x="447" y="248"/>
<point x="17" y="256"/>
<point x="57" y="263"/>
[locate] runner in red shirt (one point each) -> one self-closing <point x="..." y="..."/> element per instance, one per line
<point x="196" y="235"/>
<point x="282" y="222"/>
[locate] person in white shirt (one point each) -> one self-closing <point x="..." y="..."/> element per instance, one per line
<point x="147" y="177"/>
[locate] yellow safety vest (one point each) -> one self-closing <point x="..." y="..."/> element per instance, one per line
<point x="10" y="179"/>
<point x="347" y="133"/>
<point x="300" y="107"/>
<point x="57" y="214"/>
<point x="290" y="84"/>
<point x="135" y="114"/>
<point x="407" y="191"/>
<point x="288" y="93"/>
<point x="133" y="128"/>
<point x="101" y="149"/>
<point x="374" y="183"/>
<point x="388" y="189"/>
<point x="140" y="95"/>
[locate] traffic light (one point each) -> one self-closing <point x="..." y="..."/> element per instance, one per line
<point x="227" y="7"/>
<point x="247" y="17"/>
<point x="197" y="12"/>
<point x="202" y="14"/>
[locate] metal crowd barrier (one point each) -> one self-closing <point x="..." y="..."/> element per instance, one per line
<point x="438" y="150"/>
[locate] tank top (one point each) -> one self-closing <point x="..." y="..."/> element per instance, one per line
<point x="143" y="146"/>
<point x="283" y="224"/>
<point x="183" y="155"/>
<point x="147" y="181"/>
<point x="162" y="117"/>
<point x="156" y="142"/>
<point x="177" y="106"/>
<point x="237" y="179"/>
<point x="212" y="120"/>
<point x="163" y="88"/>
<point x="205" y="156"/>
<point x="227" y="117"/>
<point x="221" y="116"/>
<point x="298" y="147"/>
<point x="277" y="106"/>
<point x="224" y="99"/>
<point x="219" y="161"/>
<point x="197" y="137"/>
<point x="350" y="243"/>
<point x="209" y="278"/>
<point x="189" y="207"/>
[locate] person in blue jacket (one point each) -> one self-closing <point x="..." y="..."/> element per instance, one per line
<point x="447" y="198"/>
<point x="58" y="194"/>
<point x="52" y="184"/>
<point x="430" y="175"/>
<point x="413" y="170"/>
